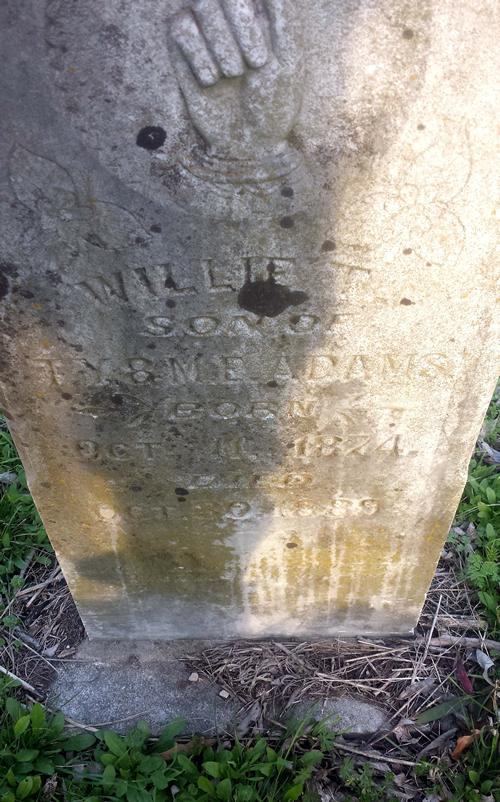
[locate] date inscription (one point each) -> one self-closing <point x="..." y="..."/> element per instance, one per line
<point x="336" y="507"/>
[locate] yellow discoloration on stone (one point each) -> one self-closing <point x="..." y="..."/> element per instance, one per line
<point x="207" y="465"/>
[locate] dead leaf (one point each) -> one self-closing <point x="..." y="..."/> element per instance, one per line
<point x="486" y="663"/>
<point x="487" y="449"/>
<point x="438" y="743"/>
<point x="49" y="787"/>
<point x="463" y="678"/>
<point x="462" y="744"/>
<point x="194" y="744"/>
<point x="8" y="478"/>
<point x="194" y="677"/>
<point x="402" y="731"/>
<point x="252" y="716"/>
<point x="416" y="688"/>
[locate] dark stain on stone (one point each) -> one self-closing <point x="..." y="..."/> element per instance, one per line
<point x="407" y="302"/>
<point x="53" y="276"/>
<point x="155" y="228"/>
<point x="287" y="192"/>
<point x="265" y="297"/>
<point x="151" y="346"/>
<point x="171" y="304"/>
<point x="180" y="498"/>
<point x="61" y="323"/>
<point x="292" y="545"/>
<point x="295" y="140"/>
<point x="93" y="239"/>
<point x="287" y="222"/>
<point x="407" y="251"/>
<point x="27" y="293"/>
<point x="170" y="177"/>
<point x="66" y="396"/>
<point x="272" y="384"/>
<point x="181" y="491"/>
<point x="421" y="127"/>
<point x="117" y="399"/>
<point x="136" y="488"/>
<point x="112" y="35"/>
<point x="328" y="245"/>
<point x="408" y="33"/>
<point x="170" y="283"/>
<point x="151" y="137"/>
<point x="4" y="285"/>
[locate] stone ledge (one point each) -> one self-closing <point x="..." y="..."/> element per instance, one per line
<point x="116" y="683"/>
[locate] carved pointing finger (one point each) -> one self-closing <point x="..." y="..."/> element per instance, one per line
<point x="220" y="39"/>
<point x="248" y="32"/>
<point x="191" y="43"/>
<point x="283" y="28"/>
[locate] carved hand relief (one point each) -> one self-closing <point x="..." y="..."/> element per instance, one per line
<point x="238" y="64"/>
<point x="234" y="109"/>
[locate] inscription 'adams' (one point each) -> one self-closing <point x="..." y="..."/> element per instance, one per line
<point x="322" y="368"/>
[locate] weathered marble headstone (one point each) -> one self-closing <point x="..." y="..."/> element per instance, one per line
<point x="247" y="301"/>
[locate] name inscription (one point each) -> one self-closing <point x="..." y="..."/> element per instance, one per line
<point x="230" y="369"/>
<point x="321" y="368"/>
<point x="214" y="277"/>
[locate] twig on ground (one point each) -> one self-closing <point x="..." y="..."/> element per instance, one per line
<point x="22" y="682"/>
<point x="373" y="755"/>
<point x="470" y="643"/>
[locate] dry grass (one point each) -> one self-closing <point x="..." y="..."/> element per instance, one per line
<point x="51" y="628"/>
<point x="404" y="676"/>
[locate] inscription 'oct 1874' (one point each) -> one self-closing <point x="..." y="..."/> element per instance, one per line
<point x="242" y="449"/>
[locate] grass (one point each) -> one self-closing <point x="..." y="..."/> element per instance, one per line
<point x="41" y="761"/>
<point x="22" y="537"/>
<point x="477" y="535"/>
<point x="475" y="779"/>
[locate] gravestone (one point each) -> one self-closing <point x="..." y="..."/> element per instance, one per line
<point x="247" y="301"/>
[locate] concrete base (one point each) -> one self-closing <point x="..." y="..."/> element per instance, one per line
<point x="116" y="683"/>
